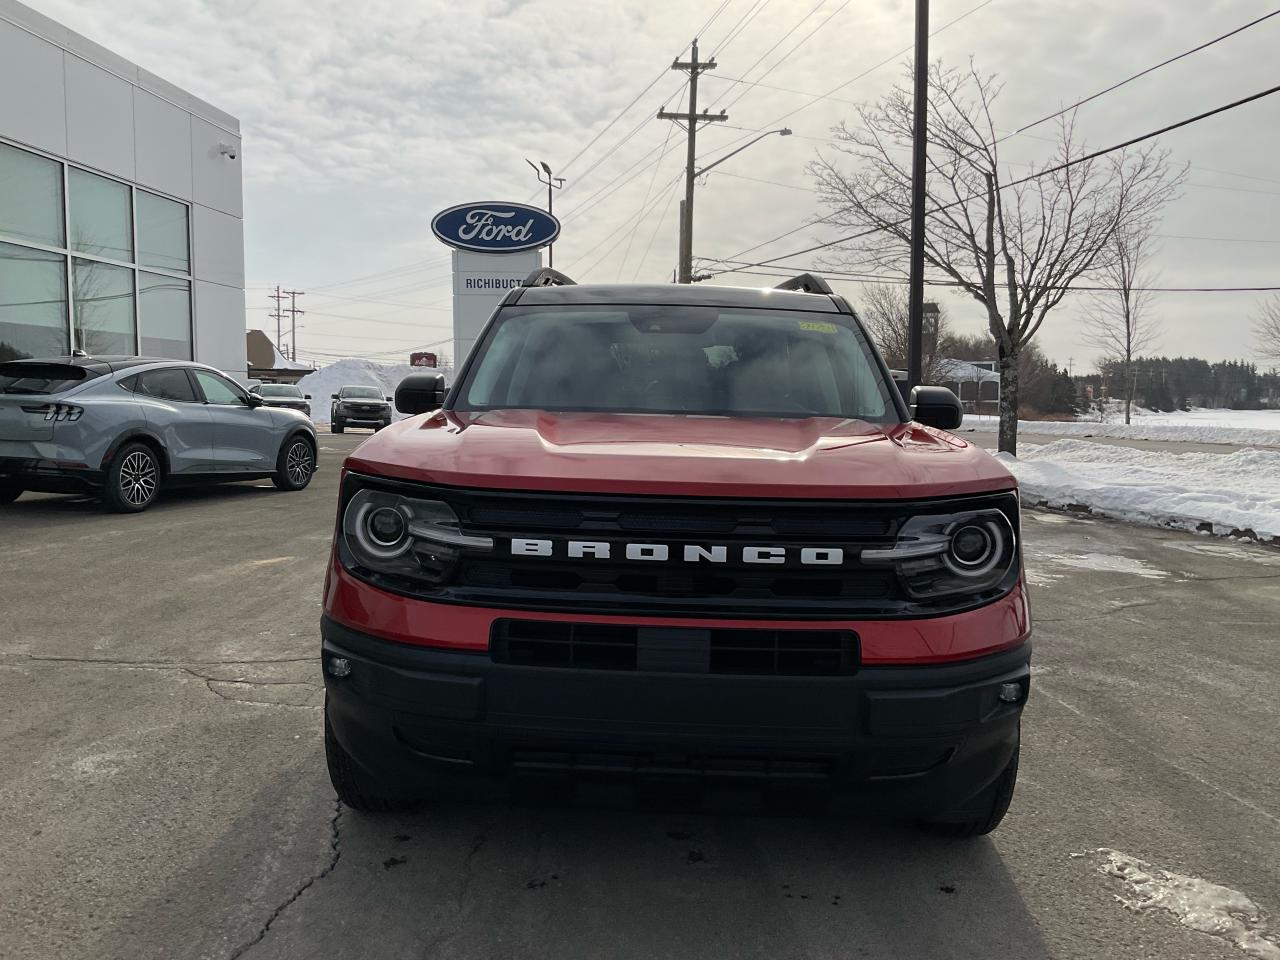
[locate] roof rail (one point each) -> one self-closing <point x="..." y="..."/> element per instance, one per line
<point x="806" y="283"/>
<point x="546" y="277"/>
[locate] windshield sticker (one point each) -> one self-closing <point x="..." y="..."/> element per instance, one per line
<point x="818" y="326"/>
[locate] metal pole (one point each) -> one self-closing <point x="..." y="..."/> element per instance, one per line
<point x="919" y="148"/>
<point x="686" y="208"/>
<point x="551" y="247"/>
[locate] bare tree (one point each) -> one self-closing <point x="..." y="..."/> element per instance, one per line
<point x="1119" y="321"/>
<point x="1015" y="243"/>
<point x="886" y="316"/>
<point x="1266" y="328"/>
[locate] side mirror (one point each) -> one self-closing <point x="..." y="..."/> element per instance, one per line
<point x="252" y="400"/>
<point x="936" y="407"/>
<point x="388" y="399"/>
<point x="420" y="393"/>
<point x="333" y="396"/>
<point x="306" y="396"/>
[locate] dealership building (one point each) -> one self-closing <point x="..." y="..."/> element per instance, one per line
<point x="121" y="218"/>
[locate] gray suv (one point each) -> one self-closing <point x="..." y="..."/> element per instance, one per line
<point x="121" y="428"/>
<point x="358" y="406"/>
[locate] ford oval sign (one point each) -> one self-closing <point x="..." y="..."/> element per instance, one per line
<point x="495" y="227"/>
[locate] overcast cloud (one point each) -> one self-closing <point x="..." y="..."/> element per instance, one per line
<point x="360" y="121"/>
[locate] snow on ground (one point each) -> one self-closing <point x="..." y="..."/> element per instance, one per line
<point x="1194" y="902"/>
<point x="351" y="372"/>
<point x="1254" y="428"/>
<point x="1225" y="493"/>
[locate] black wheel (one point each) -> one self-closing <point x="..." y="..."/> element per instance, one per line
<point x="337" y="426"/>
<point x="354" y="787"/>
<point x="296" y="464"/>
<point x="382" y="426"/>
<point x="10" y="491"/>
<point x="991" y="806"/>
<point x="133" y="479"/>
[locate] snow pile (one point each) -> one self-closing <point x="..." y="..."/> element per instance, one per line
<point x="963" y="370"/>
<point x="1226" y="493"/>
<point x="1253" y="428"/>
<point x="352" y="372"/>
<point x="1198" y="904"/>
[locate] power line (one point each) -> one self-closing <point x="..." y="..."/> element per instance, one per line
<point x="643" y="203"/>
<point x="1041" y="173"/>
<point x="657" y="227"/>
<point x="796" y="26"/>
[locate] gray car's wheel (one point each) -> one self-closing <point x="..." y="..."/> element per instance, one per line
<point x="133" y="479"/>
<point x="337" y="426"/>
<point x="296" y="464"/>
<point x="10" y="491"/>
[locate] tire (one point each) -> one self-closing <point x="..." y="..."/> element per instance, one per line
<point x="295" y="464"/>
<point x="993" y="802"/>
<point x="133" y="479"/>
<point x="354" y="787"/>
<point x="382" y="426"/>
<point x="10" y="491"/>
<point x="337" y="426"/>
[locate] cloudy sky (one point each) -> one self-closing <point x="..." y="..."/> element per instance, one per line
<point x="360" y="121"/>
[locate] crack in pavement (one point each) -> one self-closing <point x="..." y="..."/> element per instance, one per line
<point x="335" y="854"/>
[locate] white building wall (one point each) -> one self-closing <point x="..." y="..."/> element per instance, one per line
<point x="64" y="95"/>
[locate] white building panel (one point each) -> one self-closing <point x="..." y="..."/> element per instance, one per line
<point x="99" y="118"/>
<point x="215" y="175"/>
<point x="219" y="327"/>
<point x="34" y="67"/>
<point x="218" y="246"/>
<point x="162" y="145"/>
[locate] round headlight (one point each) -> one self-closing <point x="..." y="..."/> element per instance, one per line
<point x="380" y="530"/>
<point x="975" y="548"/>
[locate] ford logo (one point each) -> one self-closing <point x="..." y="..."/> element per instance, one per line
<point x="495" y="227"/>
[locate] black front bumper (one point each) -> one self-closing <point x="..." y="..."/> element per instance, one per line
<point x="916" y="740"/>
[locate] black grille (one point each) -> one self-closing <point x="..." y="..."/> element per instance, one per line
<point x="737" y="587"/>
<point x="601" y="646"/>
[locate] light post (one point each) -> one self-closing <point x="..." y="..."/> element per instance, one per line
<point x="553" y="183"/>
<point x="686" y="215"/>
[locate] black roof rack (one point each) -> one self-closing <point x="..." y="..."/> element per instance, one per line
<point x="546" y="277"/>
<point x="806" y="283"/>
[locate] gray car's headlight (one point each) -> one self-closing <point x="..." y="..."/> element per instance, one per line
<point x="945" y="554"/>
<point x="405" y="537"/>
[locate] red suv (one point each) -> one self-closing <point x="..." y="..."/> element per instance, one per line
<point x="678" y="532"/>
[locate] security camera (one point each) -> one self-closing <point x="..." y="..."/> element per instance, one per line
<point x="227" y="150"/>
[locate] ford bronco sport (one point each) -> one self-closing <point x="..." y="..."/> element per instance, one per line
<point x="678" y="532"/>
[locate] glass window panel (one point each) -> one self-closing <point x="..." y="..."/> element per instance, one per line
<point x="162" y="233"/>
<point x="103" y="297"/>
<point x="164" y="312"/>
<point x="100" y="221"/>
<point x="30" y="197"/>
<point x="33" y="303"/>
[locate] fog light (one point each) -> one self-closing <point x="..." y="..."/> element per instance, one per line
<point x="1009" y="692"/>
<point x="338" y="667"/>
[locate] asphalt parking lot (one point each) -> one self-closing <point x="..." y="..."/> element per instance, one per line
<point x="163" y="791"/>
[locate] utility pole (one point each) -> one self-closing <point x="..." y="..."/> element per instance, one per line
<point x="278" y="315"/>
<point x="693" y="67"/>
<point x="293" y="312"/>
<point x="919" y="152"/>
<point x="553" y="183"/>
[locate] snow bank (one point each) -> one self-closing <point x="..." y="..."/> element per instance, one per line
<point x="1226" y="493"/>
<point x="1252" y="428"/>
<point x="351" y="372"/>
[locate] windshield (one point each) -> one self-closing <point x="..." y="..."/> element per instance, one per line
<point x="26" y="377"/>
<point x="677" y="359"/>
<point x="361" y="393"/>
<point x="279" y="390"/>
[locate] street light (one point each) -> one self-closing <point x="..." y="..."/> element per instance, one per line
<point x="686" y="216"/>
<point x="553" y="183"/>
